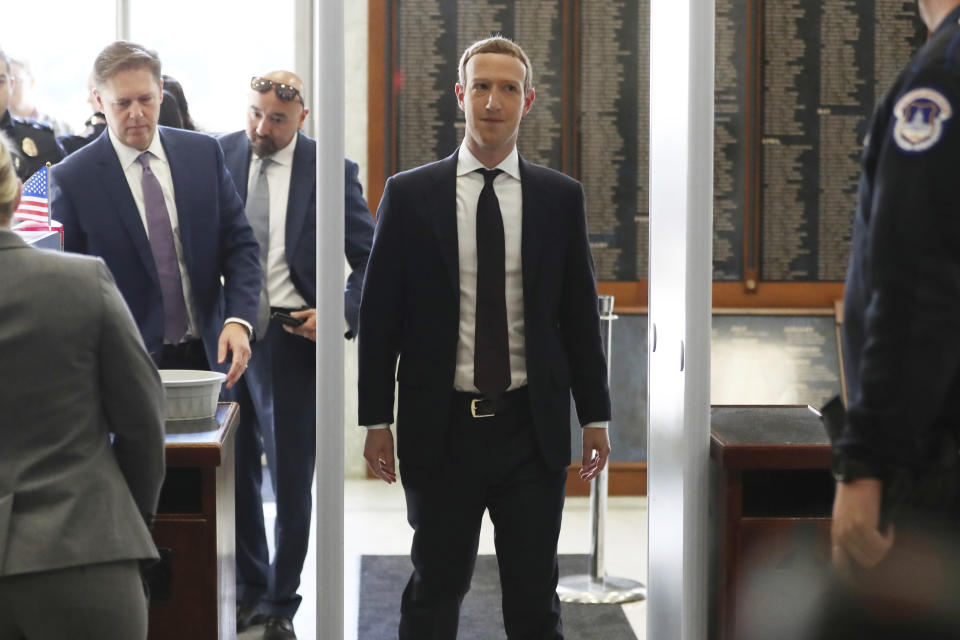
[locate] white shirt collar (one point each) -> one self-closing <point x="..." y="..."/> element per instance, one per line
<point x="467" y="162"/>
<point x="129" y="155"/>
<point x="283" y="156"/>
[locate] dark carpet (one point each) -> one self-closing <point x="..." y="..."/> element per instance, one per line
<point x="382" y="579"/>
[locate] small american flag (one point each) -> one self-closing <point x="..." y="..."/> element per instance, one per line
<point x="34" y="203"/>
<point x="33" y="214"/>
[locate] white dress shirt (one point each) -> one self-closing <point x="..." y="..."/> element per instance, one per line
<point x="280" y="289"/>
<point x="507" y="187"/>
<point x="160" y="167"/>
<point x="510" y="195"/>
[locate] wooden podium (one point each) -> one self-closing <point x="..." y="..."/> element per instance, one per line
<point x="772" y="495"/>
<point x="194" y="596"/>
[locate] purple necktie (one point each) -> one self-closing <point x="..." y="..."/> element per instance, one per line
<point x="164" y="254"/>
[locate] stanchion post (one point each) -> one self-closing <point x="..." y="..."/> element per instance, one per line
<point x="596" y="587"/>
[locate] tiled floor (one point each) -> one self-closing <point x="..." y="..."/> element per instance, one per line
<point x="375" y="523"/>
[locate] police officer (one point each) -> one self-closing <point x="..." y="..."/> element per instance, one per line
<point x="93" y="127"/>
<point x="34" y="142"/>
<point x="896" y="459"/>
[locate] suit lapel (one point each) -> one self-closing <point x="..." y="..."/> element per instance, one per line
<point x="443" y="213"/>
<point x="302" y="186"/>
<point x="182" y="175"/>
<point x="117" y="188"/>
<point x="533" y="222"/>
<point x="237" y="158"/>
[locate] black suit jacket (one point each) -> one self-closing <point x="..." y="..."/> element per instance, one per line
<point x="410" y="308"/>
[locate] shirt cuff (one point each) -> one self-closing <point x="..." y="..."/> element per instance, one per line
<point x="241" y="321"/>
<point x="382" y="425"/>
<point x="596" y="425"/>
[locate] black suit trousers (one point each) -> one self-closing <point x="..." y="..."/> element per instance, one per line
<point x="487" y="463"/>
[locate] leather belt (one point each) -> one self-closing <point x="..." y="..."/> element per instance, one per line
<point x="479" y="406"/>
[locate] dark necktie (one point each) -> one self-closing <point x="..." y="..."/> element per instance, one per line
<point x="258" y="215"/>
<point x="164" y="254"/>
<point x="491" y="355"/>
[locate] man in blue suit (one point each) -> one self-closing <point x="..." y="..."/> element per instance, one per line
<point x="274" y="167"/>
<point x="159" y="207"/>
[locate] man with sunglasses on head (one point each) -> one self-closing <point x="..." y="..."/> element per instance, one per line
<point x="159" y="207"/>
<point x="274" y="166"/>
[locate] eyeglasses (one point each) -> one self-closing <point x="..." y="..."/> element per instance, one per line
<point x="284" y="91"/>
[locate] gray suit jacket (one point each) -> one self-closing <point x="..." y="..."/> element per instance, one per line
<point x="74" y="372"/>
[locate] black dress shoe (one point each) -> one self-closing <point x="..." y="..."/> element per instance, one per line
<point x="247" y="616"/>
<point x="279" y="628"/>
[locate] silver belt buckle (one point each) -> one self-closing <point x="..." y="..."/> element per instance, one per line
<point x="473" y="409"/>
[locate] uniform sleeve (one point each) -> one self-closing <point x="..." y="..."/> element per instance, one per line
<point x="910" y="357"/>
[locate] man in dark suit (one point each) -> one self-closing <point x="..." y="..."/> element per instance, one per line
<point x="81" y="460"/>
<point x="274" y="167"/>
<point x="160" y="208"/>
<point x="481" y="280"/>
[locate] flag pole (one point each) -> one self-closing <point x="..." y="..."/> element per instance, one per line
<point x="49" y="226"/>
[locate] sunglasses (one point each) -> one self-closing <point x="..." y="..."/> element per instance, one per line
<point x="284" y="91"/>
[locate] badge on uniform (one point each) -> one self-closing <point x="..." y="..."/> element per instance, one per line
<point x="29" y="147"/>
<point x="920" y="115"/>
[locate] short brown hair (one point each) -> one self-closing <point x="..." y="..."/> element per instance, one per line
<point x="124" y="56"/>
<point x="498" y="44"/>
<point x="8" y="181"/>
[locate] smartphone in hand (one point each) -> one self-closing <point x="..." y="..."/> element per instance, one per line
<point x="287" y="319"/>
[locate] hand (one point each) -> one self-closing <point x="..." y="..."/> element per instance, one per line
<point x="378" y="451"/>
<point x="596" y="449"/>
<point x="236" y="339"/>
<point x="309" y="328"/>
<point x="854" y="531"/>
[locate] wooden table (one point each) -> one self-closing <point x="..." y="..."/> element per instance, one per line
<point x="772" y="494"/>
<point x="194" y="530"/>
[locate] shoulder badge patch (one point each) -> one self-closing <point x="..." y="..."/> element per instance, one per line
<point x="29" y="147"/>
<point x="919" y="116"/>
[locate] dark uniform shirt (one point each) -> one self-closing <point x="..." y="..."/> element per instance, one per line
<point x="95" y="126"/>
<point x="902" y="300"/>
<point x="34" y="144"/>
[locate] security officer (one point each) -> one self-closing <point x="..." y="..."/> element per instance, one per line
<point x="34" y="142"/>
<point x="94" y="125"/>
<point x="896" y="458"/>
